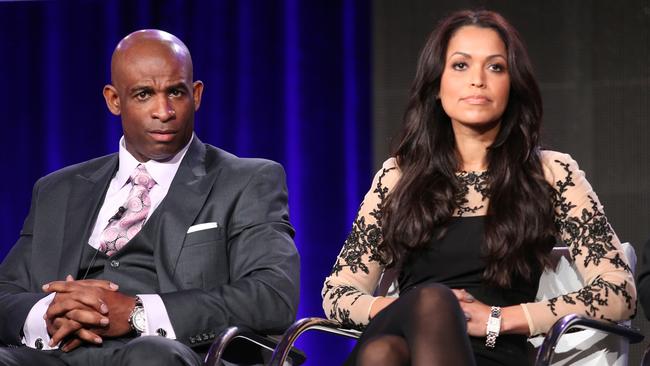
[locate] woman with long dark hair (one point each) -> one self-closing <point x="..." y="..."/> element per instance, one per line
<point x="467" y="211"/>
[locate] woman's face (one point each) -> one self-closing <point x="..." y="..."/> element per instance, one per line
<point x="475" y="83"/>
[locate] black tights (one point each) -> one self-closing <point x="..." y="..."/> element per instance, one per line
<point x="425" y="326"/>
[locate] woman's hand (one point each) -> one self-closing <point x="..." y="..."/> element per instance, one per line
<point x="513" y="319"/>
<point x="476" y="313"/>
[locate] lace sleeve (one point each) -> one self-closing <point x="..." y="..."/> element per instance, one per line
<point x="347" y="291"/>
<point x="609" y="292"/>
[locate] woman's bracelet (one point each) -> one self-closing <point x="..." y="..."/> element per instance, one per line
<point x="493" y="327"/>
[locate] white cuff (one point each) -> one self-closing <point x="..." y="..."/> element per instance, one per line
<point x="158" y="323"/>
<point x="35" y="328"/>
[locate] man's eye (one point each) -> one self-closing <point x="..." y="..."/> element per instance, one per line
<point x="176" y="93"/>
<point x="142" y="95"/>
<point x="459" y="65"/>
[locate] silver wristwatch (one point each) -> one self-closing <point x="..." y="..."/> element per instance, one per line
<point x="493" y="327"/>
<point x="138" y="319"/>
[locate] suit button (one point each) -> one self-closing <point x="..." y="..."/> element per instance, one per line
<point x="115" y="263"/>
<point x="161" y="332"/>
<point x="38" y="343"/>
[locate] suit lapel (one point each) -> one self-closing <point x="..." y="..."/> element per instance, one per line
<point x="84" y="201"/>
<point x="183" y="202"/>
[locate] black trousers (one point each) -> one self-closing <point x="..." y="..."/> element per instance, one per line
<point x="142" y="351"/>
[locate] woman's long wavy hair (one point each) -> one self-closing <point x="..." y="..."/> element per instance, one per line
<point x="519" y="226"/>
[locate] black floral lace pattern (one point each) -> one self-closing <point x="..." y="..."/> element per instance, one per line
<point x="343" y="315"/>
<point x="581" y="224"/>
<point x="479" y="182"/>
<point x="363" y="239"/>
<point x="589" y="231"/>
<point x="593" y="297"/>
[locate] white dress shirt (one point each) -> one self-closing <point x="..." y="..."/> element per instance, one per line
<point x="35" y="328"/>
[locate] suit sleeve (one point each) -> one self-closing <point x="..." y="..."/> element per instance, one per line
<point x="264" y="266"/>
<point x="17" y="293"/>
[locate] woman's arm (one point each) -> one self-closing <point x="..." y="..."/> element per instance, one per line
<point x="348" y="290"/>
<point x="609" y="292"/>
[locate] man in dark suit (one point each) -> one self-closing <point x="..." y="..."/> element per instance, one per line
<point x="144" y="256"/>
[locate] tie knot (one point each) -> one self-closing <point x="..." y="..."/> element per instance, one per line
<point x="141" y="177"/>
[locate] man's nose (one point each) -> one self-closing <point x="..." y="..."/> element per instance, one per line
<point x="164" y="110"/>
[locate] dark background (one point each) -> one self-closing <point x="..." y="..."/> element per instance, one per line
<point x="592" y="60"/>
<point x="320" y="86"/>
<point x="285" y="80"/>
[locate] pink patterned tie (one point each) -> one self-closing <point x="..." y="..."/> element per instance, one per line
<point x="118" y="232"/>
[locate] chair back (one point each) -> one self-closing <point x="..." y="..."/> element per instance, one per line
<point x="585" y="347"/>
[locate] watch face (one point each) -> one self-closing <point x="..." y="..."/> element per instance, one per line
<point x="493" y="325"/>
<point x="139" y="320"/>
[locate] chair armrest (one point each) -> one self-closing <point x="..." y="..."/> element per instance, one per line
<point x="646" y="357"/>
<point x="577" y="321"/>
<point x="213" y="358"/>
<point x="252" y="345"/>
<point x="301" y="326"/>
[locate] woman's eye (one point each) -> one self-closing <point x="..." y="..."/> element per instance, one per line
<point x="496" y="67"/>
<point x="459" y="65"/>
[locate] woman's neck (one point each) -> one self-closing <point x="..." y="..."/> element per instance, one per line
<point x="472" y="144"/>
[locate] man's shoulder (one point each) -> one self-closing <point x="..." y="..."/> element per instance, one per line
<point x="222" y="159"/>
<point x="85" y="168"/>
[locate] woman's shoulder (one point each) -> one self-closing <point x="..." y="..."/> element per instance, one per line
<point x="390" y="163"/>
<point x="389" y="172"/>
<point x="557" y="164"/>
<point x="385" y="179"/>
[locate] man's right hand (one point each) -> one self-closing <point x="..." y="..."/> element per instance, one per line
<point x="77" y="312"/>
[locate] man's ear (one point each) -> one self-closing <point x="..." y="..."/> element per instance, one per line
<point x="112" y="99"/>
<point x="197" y="93"/>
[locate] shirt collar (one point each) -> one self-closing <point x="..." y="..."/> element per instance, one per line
<point x="162" y="172"/>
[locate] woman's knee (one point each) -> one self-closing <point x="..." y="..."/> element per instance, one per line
<point x="384" y="350"/>
<point x="433" y="299"/>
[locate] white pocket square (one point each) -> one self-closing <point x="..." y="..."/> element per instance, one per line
<point x="204" y="226"/>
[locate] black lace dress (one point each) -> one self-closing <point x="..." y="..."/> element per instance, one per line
<point x="609" y="291"/>
<point x="455" y="262"/>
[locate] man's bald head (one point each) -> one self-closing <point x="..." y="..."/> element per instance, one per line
<point x="153" y="92"/>
<point x="148" y="42"/>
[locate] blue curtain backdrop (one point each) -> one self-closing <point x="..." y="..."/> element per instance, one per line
<point x="286" y="80"/>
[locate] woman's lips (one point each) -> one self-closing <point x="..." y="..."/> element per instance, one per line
<point x="476" y="99"/>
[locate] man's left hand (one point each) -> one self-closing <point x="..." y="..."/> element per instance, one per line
<point x="119" y="305"/>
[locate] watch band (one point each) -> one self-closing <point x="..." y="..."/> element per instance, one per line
<point x="139" y="307"/>
<point x="493" y="327"/>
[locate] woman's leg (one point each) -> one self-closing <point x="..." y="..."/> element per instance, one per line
<point x="384" y="350"/>
<point x="431" y="325"/>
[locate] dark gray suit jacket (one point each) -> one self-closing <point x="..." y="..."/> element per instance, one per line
<point x="244" y="272"/>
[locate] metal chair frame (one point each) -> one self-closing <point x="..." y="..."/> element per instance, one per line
<point x="217" y="350"/>
<point x="284" y="347"/>
<point x="544" y="354"/>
